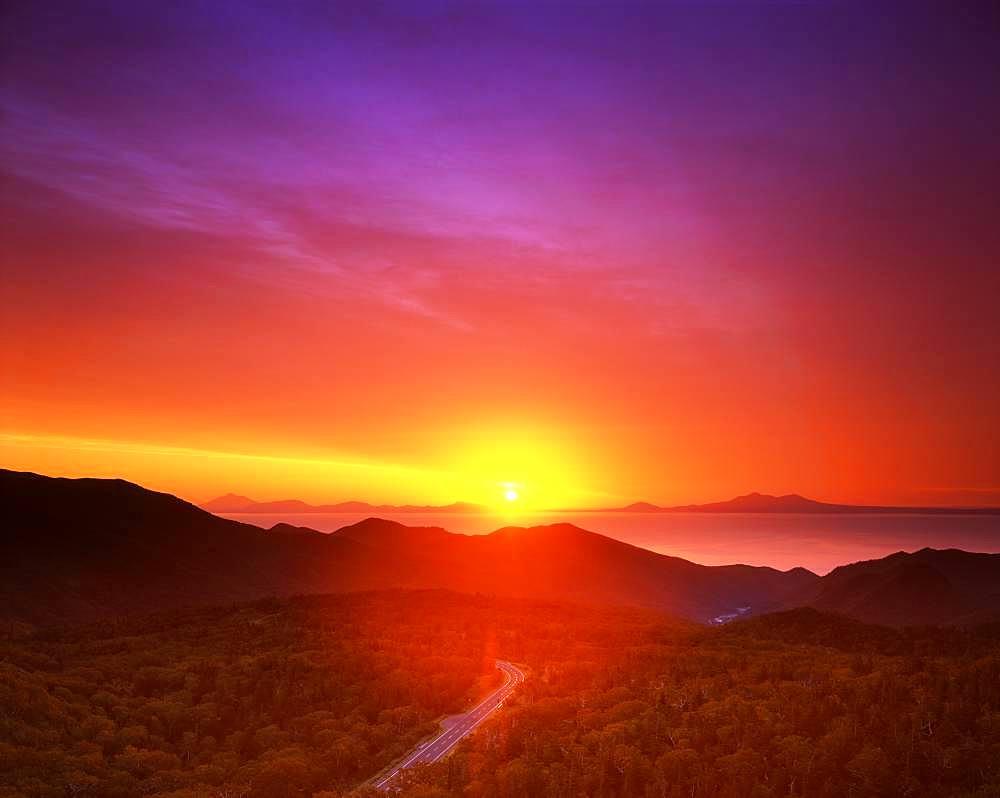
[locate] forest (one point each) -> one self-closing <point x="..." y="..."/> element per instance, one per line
<point x="798" y="703"/>
<point x="314" y="696"/>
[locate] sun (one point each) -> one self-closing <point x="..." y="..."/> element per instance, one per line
<point x="510" y="495"/>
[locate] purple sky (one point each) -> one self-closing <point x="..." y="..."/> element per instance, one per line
<point x="709" y="200"/>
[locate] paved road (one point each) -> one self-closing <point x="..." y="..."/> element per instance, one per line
<point x="461" y="726"/>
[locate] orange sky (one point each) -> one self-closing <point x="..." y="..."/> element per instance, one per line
<point x="607" y="287"/>
<point x="270" y="394"/>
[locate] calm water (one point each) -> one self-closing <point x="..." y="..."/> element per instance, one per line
<point x="818" y="542"/>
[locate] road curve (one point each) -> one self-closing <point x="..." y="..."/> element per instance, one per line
<point x="461" y="726"/>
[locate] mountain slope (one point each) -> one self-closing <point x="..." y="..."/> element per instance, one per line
<point x="87" y="548"/>
<point x="564" y="561"/>
<point x="930" y="586"/>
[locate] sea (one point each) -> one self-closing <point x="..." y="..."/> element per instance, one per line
<point x="817" y="542"/>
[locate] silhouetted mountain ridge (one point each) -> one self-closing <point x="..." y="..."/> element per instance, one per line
<point x="87" y="548"/>
<point x="77" y="549"/>
<point x="929" y="586"/>
<point x="83" y="549"/>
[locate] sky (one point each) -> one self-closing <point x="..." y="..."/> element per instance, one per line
<point x="422" y="252"/>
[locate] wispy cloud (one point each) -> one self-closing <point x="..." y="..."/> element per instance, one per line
<point x="146" y="185"/>
<point x="70" y="443"/>
<point x="365" y="164"/>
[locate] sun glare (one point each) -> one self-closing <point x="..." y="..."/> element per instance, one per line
<point x="517" y="468"/>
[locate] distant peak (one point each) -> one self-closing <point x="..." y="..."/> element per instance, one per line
<point x="771" y="497"/>
<point x="641" y="506"/>
<point x="560" y="528"/>
<point x="374" y="530"/>
<point x="233" y="497"/>
<point x="375" y="522"/>
<point x="230" y="502"/>
<point x="294" y="531"/>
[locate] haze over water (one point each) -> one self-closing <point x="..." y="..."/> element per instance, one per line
<point x="817" y="542"/>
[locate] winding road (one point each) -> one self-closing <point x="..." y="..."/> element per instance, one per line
<point x="459" y="726"/>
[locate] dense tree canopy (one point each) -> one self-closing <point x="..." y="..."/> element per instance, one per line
<point x="798" y="704"/>
<point x="314" y="696"/>
<point x="272" y="698"/>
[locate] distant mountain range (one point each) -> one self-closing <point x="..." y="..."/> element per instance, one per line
<point x="83" y="549"/>
<point x="233" y="503"/>
<point x="750" y="503"/>
<point x="793" y="503"/>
